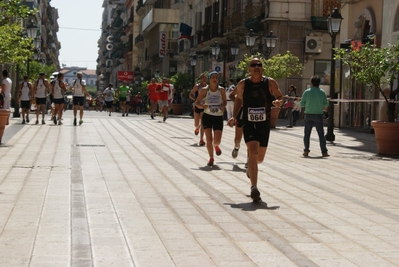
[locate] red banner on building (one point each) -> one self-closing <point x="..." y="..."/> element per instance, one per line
<point x="125" y="76"/>
<point x="162" y="44"/>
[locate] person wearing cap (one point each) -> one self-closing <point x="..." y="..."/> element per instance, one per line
<point x="197" y="111"/>
<point x="24" y="97"/>
<point x="213" y="100"/>
<point x="163" y="95"/>
<point x="108" y="93"/>
<point x="40" y="90"/>
<point x="255" y="98"/>
<point x="78" y="88"/>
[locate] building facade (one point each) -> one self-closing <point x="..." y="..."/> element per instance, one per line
<point x="163" y="35"/>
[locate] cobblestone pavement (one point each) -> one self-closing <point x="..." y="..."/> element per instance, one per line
<point x="131" y="191"/>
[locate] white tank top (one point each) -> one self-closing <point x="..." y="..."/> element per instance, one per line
<point x="25" y="92"/>
<point x="40" y="89"/>
<point x="214" y="102"/>
<point x="78" y="88"/>
<point x="58" y="90"/>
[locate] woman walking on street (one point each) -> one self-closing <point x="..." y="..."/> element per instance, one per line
<point x="213" y="105"/>
<point x="58" y="91"/>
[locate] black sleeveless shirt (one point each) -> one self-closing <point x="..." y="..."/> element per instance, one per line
<point x="257" y="101"/>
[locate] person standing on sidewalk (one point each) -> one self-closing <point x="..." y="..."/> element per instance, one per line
<point x="24" y="96"/>
<point x="163" y="95"/>
<point x="289" y="104"/>
<point x="40" y="90"/>
<point x="153" y="95"/>
<point x="79" y="91"/>
<point x="58" y="91"/>
<point x="314" y="100"/>
<point x="254" y="97"/>
<point x="6" y="85"/>
<point x="109" y="97"/>
<point x="123" y="91"/>
<point x="198" y="112"/>
<point x="214" y="103"/>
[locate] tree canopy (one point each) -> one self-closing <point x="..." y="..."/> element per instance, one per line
<point x="372" y="65"/>
<point x="15" y="46"/>
<point x="277" y="67"/>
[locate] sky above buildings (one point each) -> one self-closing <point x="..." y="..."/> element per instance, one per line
<point x="79" y="30"/>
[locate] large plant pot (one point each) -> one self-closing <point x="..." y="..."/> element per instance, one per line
<point x="4" y="115"/>
<point x="177" y="109"/>
<point x="274" y="113"/>
<point x="387" y="137"/>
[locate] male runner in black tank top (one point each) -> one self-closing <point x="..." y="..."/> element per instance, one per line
<point x="254" y="94"/>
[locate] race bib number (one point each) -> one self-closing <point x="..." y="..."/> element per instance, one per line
<point x="256" y="114"/>
<point x="214" y="108"/>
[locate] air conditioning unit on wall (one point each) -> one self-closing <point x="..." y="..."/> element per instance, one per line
<point x="313" y="44"/>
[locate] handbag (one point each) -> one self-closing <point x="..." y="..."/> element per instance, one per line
<point x="288" y="104"/>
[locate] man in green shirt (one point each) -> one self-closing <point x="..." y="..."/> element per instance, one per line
<point x="314" y="100"/>
<point x="123" y="91"/>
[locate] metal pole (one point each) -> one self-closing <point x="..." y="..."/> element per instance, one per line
<point x="193" y="67"/>
<point x="330" y="125"/>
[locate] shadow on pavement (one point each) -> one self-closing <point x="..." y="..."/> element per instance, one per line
<point x="252" y="206"/>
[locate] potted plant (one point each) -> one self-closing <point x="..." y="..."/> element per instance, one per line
<point x="277" y="67"/>
<point x="378" y="66"/>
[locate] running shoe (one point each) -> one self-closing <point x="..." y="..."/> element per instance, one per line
<point x="234" y="153"/>
<point x="74" y="121"/>
<point x="218" y="151"/>
<point x="255" y="194"/>
<point x="210" y="162"/>
<point x="196" y="131"/>
<point x="201" y="142"/>
<point x="80" y="122"/>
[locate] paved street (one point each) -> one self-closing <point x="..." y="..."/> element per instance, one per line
<point x="131" y="191"/>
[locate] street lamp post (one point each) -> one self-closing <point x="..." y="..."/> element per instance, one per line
<point x="31" y="32"/>
<point x="334" y="25"/>
<point x="224" y="56"/>
<point x="265" y="49"/>
<point x="193" y="63"/>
